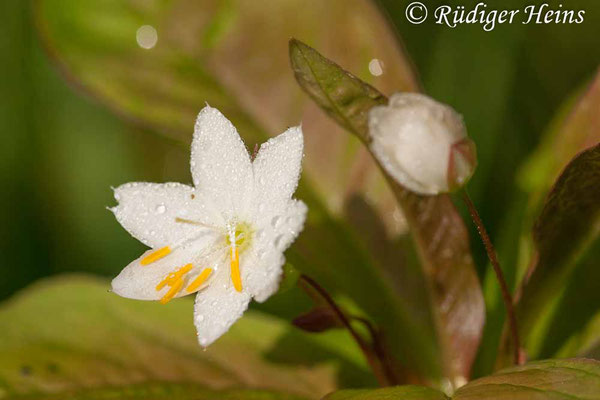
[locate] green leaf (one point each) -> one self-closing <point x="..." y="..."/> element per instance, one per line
<point x="437" y="228"/>
<point x="341" y="95"/>
<point x="409" y="392"/>
<point x="542" y="380"/>
<point x="567" y="225"/>
<point x="160" y="391"/>
<point x="70" y="334"/>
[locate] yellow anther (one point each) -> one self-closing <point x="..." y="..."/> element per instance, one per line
<point x="172" y="292"/>
<point x="235" y="269"/>
<point x="199" y="280"/>
<point x="175" y="281"/>
<point x="156" y="255"/>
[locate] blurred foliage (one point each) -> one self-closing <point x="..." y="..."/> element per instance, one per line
<point x="67" y="334"/>
<point x="518" y="87"/>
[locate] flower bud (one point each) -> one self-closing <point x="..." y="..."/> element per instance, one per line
<point x="422" y="143"/>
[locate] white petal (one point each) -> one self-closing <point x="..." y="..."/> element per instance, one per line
<point x="217" y="307"/>
<point x="277" y="169"/>
<point x="261" y="269"/>
<point x="220" y="163"/>
<point x="148" y="211"/>
<point x="266" y="292"/>
<point x="292" y="224"/>
<point x="137" y="281"/>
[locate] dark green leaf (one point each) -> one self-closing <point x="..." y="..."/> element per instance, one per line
<point x="568" y="224"/>
<point x="543" y="380"/>
<point x="69" y="334"/>
<point x="437" y="228"/>
<point x="409" y="392"/>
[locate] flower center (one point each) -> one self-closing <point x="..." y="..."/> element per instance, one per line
<point x="238" y="239"/>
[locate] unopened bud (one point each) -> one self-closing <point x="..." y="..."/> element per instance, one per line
<point x="422" y="143"/>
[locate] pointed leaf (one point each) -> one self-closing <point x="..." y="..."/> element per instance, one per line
<point x="567" y="225"/>
<point x="437" y="228"/>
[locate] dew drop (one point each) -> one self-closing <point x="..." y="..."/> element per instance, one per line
<point x="261" y="207"/>
<point x="160" y="209"/>
<point x="280" y="242"/>
<point x="276" y="222"/>
<point x="262" y="180"/>
<point x="146" y="36"/>
<point x="200" y="318"/>
<point x="376" y="67"/>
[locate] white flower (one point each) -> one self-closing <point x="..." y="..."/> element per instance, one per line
<point x="223" y="238"/>
<point x="422" y="143"/>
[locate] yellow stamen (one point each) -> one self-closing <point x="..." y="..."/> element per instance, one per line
<point x="199" y="280"/>
<point x="175" y="281"/>
<point x="172" y="292"/>
<point x="155" y="255"/>
<point x="235" y="269"/>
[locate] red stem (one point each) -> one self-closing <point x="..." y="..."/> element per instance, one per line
<point x="380" y="368"/>
<point x="506" y="296"/>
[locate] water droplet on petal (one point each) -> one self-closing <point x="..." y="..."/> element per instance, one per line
<point x="280" y="242"/>
<point x="261" y="207"/>
<point x="276" y="222"/>
<point x="160" y="209"/>
<point x="200" y="318"/>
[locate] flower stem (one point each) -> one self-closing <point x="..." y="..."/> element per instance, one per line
<point x="375" y="358"/>
<point x="506" y="296"/>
